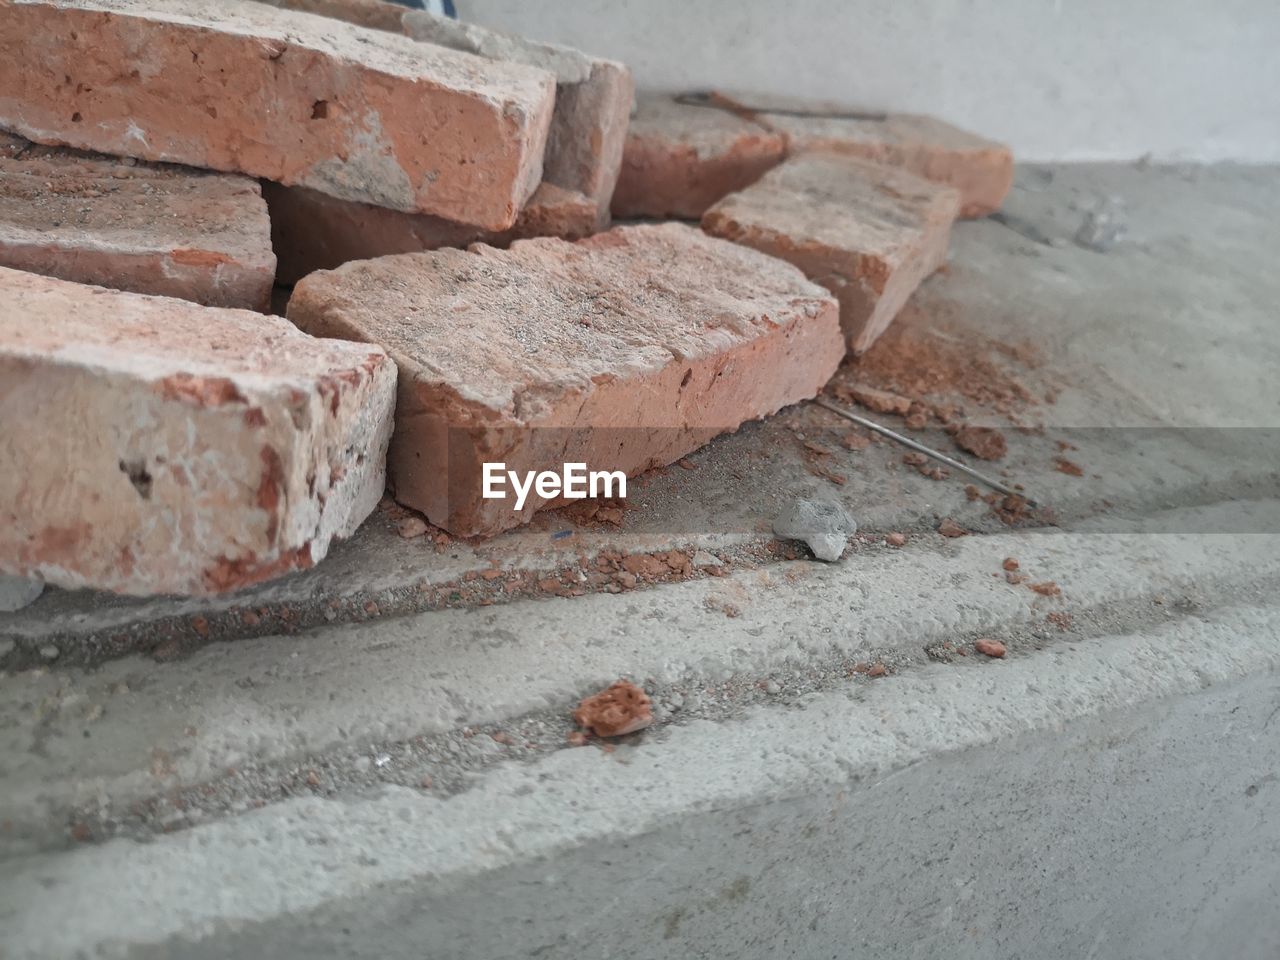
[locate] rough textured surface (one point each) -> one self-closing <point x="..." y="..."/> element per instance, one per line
<point x="148" y="228"/>
<point x="680" y="158"/>
<point x="360" y="114"/>
<point x="18" y="592"/>
<point x="349" y="765"/>
<point x="825" y="525"/>
<point x="161" y="447"/>
<point x="374" y="14"/>
<point x="593" y="102"/>
<point x="621" y="709"/>
<point x="624" y="351"/>
<point x="867" y="232"/>
<point x="981" y="169"/>
<point x="313" y="231"/>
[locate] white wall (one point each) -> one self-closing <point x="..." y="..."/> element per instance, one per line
<point x="1057" y="79"/>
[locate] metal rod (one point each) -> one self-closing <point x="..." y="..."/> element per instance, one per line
<point x="921" y="448"/>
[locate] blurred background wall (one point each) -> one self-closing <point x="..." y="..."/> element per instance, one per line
<point x="1057" y="79"/>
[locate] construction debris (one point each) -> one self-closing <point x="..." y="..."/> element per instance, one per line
<point x="985" y="443"/>
<point x="990" y="648"/>
<point x="824" y="525"/>
<point x="148" y="228"/>
<point x="621" y="709"/>
<point x="980" y="169"/>
<point x="868" y="233"/>
<point x="679" y="159"/>
<point x="359" y="114"/>
<point x="163" y="447"/>
<point x="553" y="352"/>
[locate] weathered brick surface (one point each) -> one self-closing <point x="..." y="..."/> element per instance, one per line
<point x="593" y="102"/>
<point x="150" y="228"/>
<point x="624" y="351"/>
<point x="152" y="445"/>
<point x="313" y="231"/>
<point x="374" y="14"/>
<point x="981" y="169"/>
<point x="867" y="232"/>
<point x="679" y="159"/>
<point x="239" y="86"/>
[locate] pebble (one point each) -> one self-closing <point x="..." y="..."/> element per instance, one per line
<point x="50" y="651"/>
<point x="992" y="648"/>
<point x="823" y="524"/>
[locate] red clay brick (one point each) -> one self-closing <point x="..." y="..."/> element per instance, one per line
<point x="312" y="231"/>
<point x="867" y="232"/>
<point x="150" y="228"/>
<point x="679" y="158"/>
<point x="624" y="351"/>
<point x="374" y="14"/>
<point x="156" y="446"/>
<point x="238" y="86"/>
<point x="593" y="102"/>
<point x="981" y="169"/>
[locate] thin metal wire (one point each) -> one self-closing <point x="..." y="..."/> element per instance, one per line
<point x="921" y="448"/>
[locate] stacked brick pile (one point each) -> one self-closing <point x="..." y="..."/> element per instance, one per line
<point x="441" y="196"/>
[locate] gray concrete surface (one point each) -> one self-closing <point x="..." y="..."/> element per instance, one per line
<point x="1080" y="80"/>
<point x="335" y="779"/>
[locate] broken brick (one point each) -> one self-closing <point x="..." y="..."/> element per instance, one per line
<point x="159" y="446"/>
<point x="990" y="648"/>
<point x="313" y="231"/>
<point x="624" y="351"/>
<point x="949" y="528"/>
<point x="148" y="228"/>
<point x="867" y="232"/>
<point x="245" y="87"/>
<point x="681" y="158"/>
<point x="985" y="443"/>
<point x="621" y="709"/>
<point x="881" y="401"/>
<point x="980" y="169"/>
<point x="592" y="108"/>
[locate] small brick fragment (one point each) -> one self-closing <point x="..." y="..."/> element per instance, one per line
<point x="148" y="228"/>
<point x="681" y="158"/>
<point x="592" y="110"/>
<point x="245" y="87"/>
<point x="1010" y="564"/>
<point x="949" y="528"/>
<point x="990" y="648"/>
<point x="164" y="447"/>
<point x="980" y="169"/>
<point x="896" y="539"/>
<point x="621" y="709"/>
<point x="624" y="351"/>
<point x="985" y="443"/>
<point x="881" y="401"/>
<point x="314" y="231"/>
<point x="867" y="232"/>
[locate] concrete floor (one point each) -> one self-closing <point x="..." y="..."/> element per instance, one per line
<point x="308" y="768"/>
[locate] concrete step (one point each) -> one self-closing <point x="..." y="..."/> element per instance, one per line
<point x="1118" y="788"/>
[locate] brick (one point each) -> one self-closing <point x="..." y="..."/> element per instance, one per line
<point x="245" y="87"/>
<point x="680" y="158"/>
<point x="593" y="102"/>
<point x="624" y="351"/>
<point x="313" y="231"/>
<point x="374" y="14"/>
<point x="156" y="446"/>
<point x="149" y="228"/>
<point x="981" y="169"/>
<point x="867" y="232"/>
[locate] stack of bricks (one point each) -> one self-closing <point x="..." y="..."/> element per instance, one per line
<point x="439" y="196"/>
